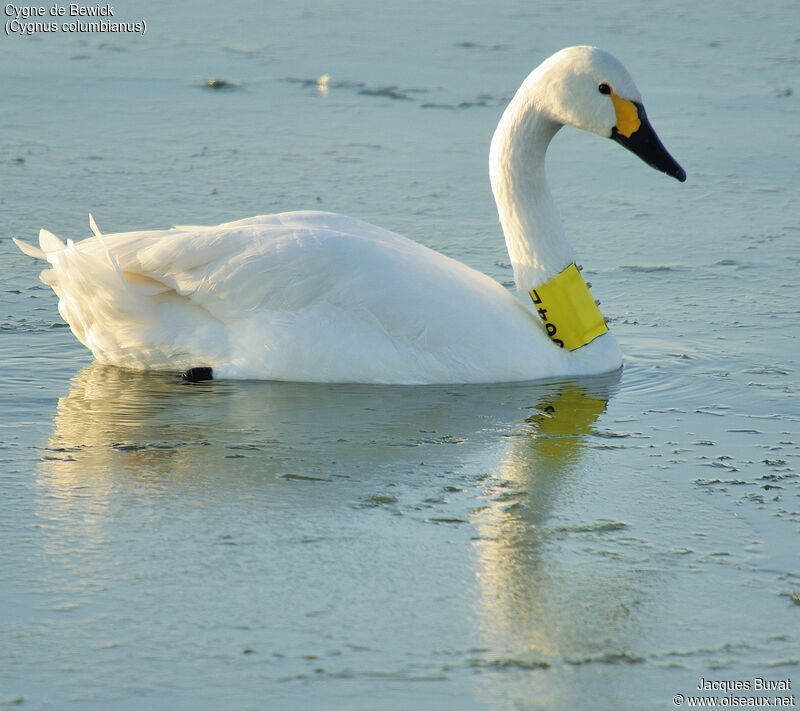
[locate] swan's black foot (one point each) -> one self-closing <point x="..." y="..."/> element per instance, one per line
<point x="195" y="375"/>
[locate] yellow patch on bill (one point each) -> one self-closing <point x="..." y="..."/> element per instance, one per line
<point x="570" y="314"/>
<point x="628" y="121"/>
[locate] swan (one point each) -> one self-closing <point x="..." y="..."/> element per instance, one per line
<point x="320" y="297"/>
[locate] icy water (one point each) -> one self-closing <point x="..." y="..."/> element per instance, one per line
<point x="601" y="544"/>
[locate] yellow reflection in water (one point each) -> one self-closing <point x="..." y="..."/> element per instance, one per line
<point x="544" y="601"/>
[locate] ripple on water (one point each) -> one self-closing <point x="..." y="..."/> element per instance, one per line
<point x="599" y="526"/>
<point x="652" y="268"/>
<point x="682" y="376"/>
<point x="388" y="91"/>
<point x="21" y="324"/>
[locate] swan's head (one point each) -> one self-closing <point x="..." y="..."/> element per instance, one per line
<point x="588" y="88"/>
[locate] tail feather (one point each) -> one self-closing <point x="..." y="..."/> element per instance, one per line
<point x="29" y="249"/>
<point x="49" y="242"/>
<point x="111" y="258"/>
<point x="129" y="317"/>
<point x="93" y="226"/>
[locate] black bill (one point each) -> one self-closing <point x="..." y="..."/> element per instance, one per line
<point x="645" y="143"/>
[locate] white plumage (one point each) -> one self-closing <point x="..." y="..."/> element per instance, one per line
<point x="315" y="296"/>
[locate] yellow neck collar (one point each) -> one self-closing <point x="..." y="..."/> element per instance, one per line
<point x="568" y="310"/>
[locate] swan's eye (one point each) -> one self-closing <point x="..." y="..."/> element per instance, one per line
<point x="604" y="89"/>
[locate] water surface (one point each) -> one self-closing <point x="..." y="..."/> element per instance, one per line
<point x="570" y="545"/>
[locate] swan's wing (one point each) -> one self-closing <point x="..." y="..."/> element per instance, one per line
<point x="286" y="262"/>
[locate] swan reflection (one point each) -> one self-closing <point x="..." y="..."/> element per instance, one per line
<point x="131" y="439"/>
<point x="115" y="423"/>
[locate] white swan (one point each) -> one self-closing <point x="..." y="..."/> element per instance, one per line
<point x="315" y="296"/>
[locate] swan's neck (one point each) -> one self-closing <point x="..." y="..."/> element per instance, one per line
<point x="534" y="236"/>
